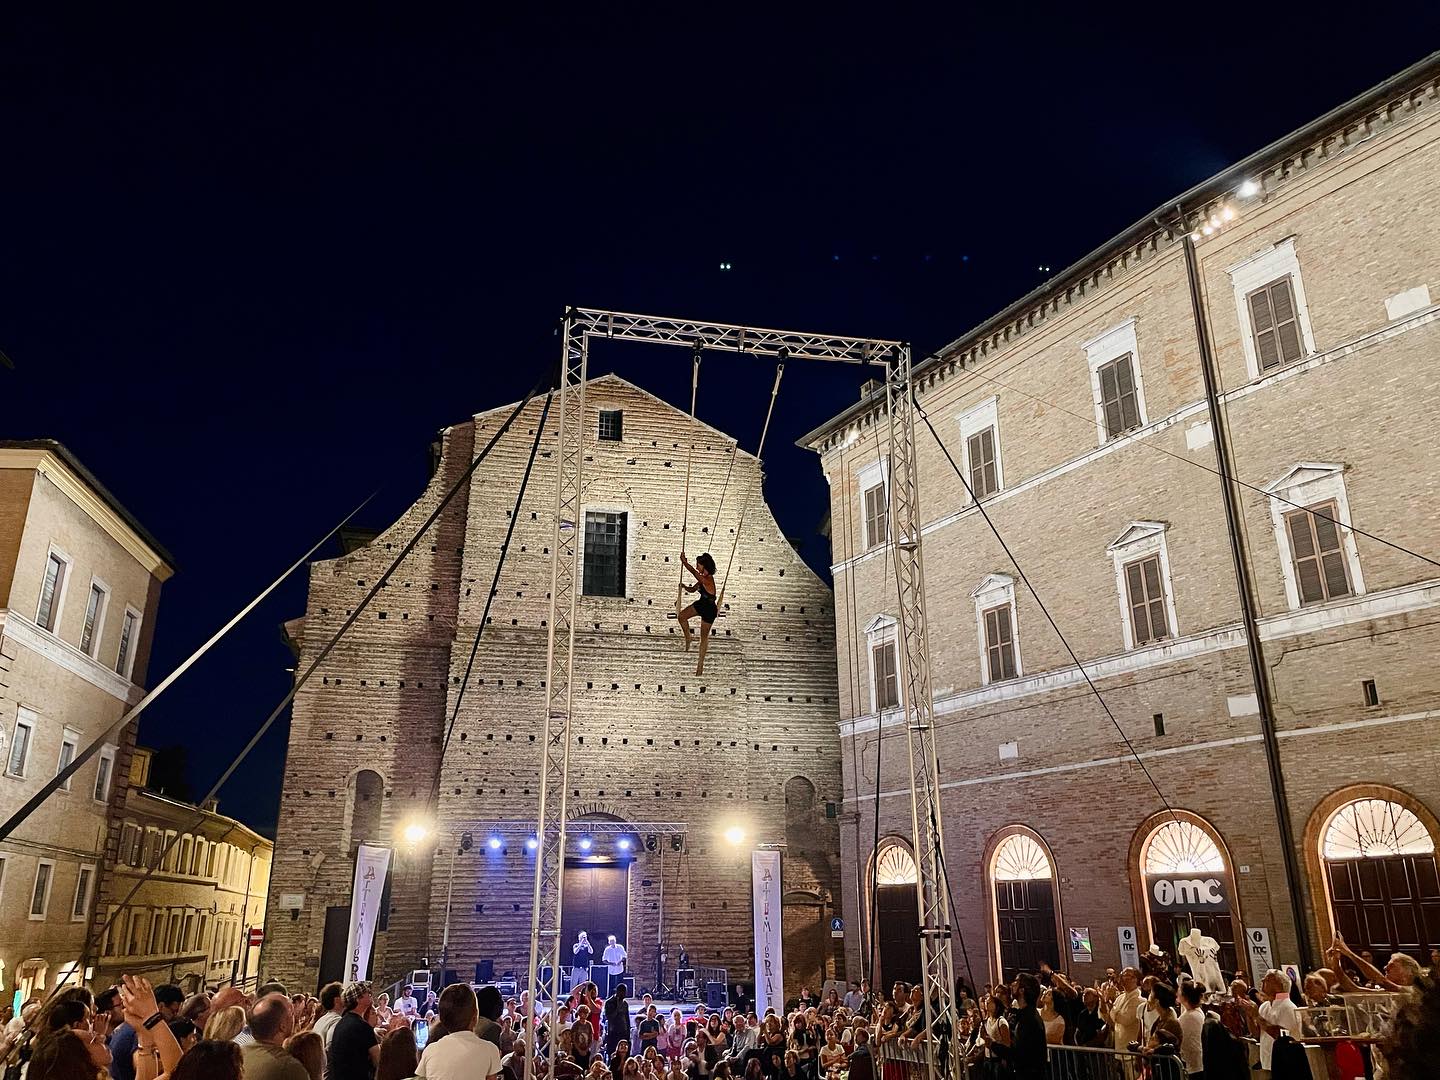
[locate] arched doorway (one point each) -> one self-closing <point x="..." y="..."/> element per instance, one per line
<point x="897" y="915"/>
<point x="1022" y="877"/>
<point x="1375" y="849"/>
<point x="1186" y="882"/>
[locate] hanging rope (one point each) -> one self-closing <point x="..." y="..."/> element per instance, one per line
<point x="689" y="458"/>
<point x="759" y="470"/>
<point x="734" y="452"/>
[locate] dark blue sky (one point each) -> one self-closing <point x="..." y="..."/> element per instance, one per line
<point x="252" y="264"/>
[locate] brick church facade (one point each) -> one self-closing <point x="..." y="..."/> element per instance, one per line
<point x="752" y="744"/>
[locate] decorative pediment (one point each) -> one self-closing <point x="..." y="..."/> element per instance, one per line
<point x="1306" y="472"/>
<point x="1137" y="531"/>
<point x="879" y="624"/>
<point x="994" y="583"/>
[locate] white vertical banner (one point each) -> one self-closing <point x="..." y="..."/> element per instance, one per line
<point x="371" y="862"/>
<point x="769" y="965"/>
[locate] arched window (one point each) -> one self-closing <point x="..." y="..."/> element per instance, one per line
<point x="1180" y="847"/>
<point x="1021" y="858"/>
<point x="1373" y="829"/>
<point x="895" y="866"/>
<point x="367" y="795"/>
<point x="799" y="794"/>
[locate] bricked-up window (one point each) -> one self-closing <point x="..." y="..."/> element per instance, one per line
<point x="1146" y="595"/>
<point x="1274" y="324"/>
<point x="887" y="679"/>
<point x="1118" y="399"/>
<point x="48" y="614"/>
<point x="877" y="516"/>
<point x="605" y="553"/>
<point x="999" y="643"/>
<point x="984" y="480"/>
<point x="612" y="424"/>
<point x="1315" y="548"/>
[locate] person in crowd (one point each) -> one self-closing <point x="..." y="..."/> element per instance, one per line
<point x="271" y="1022"/>
<point x="398" y="1055"/>
<point x="861" y="1062"/>
<point x="1277" y="1014"/>
<point x="185" y="1032"/>
<point x="462" y="1054"/>
<point x="832" y="1054"/>
<point x="801" y="1041"/>
<point x="702" y="1056"/>
<point x="308" y="1048"/>
<point x="225" y="1024"/>
<point x="648" y="1029"/>
<point x="1400" y="973"/>
<point x="618" y="1057"/>
<point x="1090" y="1029"/>
<point x="332" y="1002"/>
<point x="617" y="1018"/>
<point x="1192" y="1028"/>
<point x="354" y="1047"/>
<point x="211" y="1059"/>
<point x="1165" y="1034"/>
<point x="70" y="1050"/>
<point x="596" y="1007"/>
<point x="1053" y="1021"/>
<point x="674" y="1042"/>
<point x="488" y="1004"/>
<point x="854" y="999"/>
<point x="582" y="1048"/>
<point x="1120" y="1008"/>
<point x="168" y="999"/>
<point x="407" y="1004"/>
<point x="1026" y="1052"/>
<point x="743" y="1040"/>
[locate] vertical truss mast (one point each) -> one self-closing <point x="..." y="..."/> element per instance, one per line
<point x="578" y="327"/>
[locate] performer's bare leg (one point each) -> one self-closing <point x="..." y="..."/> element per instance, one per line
<point x="684" y="618"/>
<point x="704" y="646"/>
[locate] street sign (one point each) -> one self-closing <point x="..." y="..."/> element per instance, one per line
<point x="1261" y="960"/>
<point x="1129" y="948"/>
<point x="837" y="927"/>
<point x="257" y="935"/>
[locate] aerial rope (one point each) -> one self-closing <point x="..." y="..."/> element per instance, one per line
<point x="689" y="460"/>
<point x="759" y="473"/>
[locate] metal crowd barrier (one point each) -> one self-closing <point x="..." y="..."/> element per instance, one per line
<point x="1097" y="1063"/>
<point x="896" y="1062"/>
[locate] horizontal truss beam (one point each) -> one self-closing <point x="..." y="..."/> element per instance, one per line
<point x="722" y="337"/>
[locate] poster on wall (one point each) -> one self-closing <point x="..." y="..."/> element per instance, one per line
<point x="769" y="965"/>
<point x="1129" y="948"/>
<point x="1080" y="951"/>
<point x="1257" y="941"/>
<point x="371" y="863"/>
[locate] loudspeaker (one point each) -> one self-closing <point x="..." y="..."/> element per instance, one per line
<point x="484" y="971"/>
<point x="715" y="995"/>
<point x="449" y="977"/>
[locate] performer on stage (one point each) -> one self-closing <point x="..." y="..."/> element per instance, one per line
<point x="580" y="965"/>
<point x="614" y="956"/>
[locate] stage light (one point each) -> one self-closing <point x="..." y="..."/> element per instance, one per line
<point x="676" y="841"/>
<point x="1248" y="190"/>
<point x="623" y="843"/>
<point x="415" y="833"/>
<point x="651" y="843"/>
<point x="494" y="843"/>
<point x="585" y="843"/>
<point x="1228" y="214"/>
<point x="532" y="843"/>
<point x="1207" y="230"/>
<point x="466" y="841"/>
<point x="735" y="835"/>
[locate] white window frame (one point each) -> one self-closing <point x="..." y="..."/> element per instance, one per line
<point x="630" y="522"/>
<point x="1140" y="540"/>
<point x="880" y="631"/>
<point x="972" y="422"/>
<point x="867" y="477"/>
<point x="1259" y="269"/>
<point x="107" y="753"/>
<point x="59" y="553"/>
<point x="1305" y="484"/>
<point x="68" y="737"/>
<point x="89" y="893"/>
<point x="993" y="591"/>
<point x="129" y="664"/>
<point x="30" y="720"/>
<point x="1101" y="350"/>
<point x="49" y="888"/>
<point x="99" y="628"/>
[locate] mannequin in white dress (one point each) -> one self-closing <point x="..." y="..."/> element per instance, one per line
<point x="1202" y="955"/>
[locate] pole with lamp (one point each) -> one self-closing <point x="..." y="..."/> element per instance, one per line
<point x="416" y="834"/>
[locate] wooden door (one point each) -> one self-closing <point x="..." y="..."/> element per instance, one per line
<point x="596" y="900"/>
<point x="1025" y="912"/>
<point x="897" y="932"/>
<point x="1387" y="905"/>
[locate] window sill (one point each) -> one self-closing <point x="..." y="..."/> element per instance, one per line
<point x="37" y="918"/>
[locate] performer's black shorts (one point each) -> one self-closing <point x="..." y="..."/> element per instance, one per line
<point x="705" y="608"/>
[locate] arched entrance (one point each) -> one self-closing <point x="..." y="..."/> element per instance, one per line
<point x="1022" y="877"/>
<point x="897" y="914"/>
<point x="1374" y="848"/>
<point x="1186" y="883"/>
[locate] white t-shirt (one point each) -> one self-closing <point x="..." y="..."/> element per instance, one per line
<point x="1192" y="1026"/>
<point x="615" y="957"/>
<point x="1282" y="1013"/>
<point x="460" y="1055"/>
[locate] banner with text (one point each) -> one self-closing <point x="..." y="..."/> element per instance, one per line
<point x="371" y="863"/>
<point x="769" y="966"/>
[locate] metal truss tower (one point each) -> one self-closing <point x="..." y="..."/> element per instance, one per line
<point x="578" y="327"/>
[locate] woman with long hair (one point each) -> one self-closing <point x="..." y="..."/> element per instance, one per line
<point x="224" y="1025"/>
<point x="398" y="1056"/>
<point x="210" y="1059"/>
<point x="68" y="1054"/>
<point x="308" y="1048"/>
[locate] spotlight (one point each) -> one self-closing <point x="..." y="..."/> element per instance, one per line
<point x="651" y="843"/>
<point x="415" y="832"/>
<point x="532" y="843"/>
<point x="623" y="843"/>
<point x="1228" y="214"/>
<point x="1207" y="230"/>
<point x="494" y="843"/>
<point x="676" y="842"/>
<point x="466" y="841"/>
<point x="1248" y="190"/>
<point x="585" y="843"/>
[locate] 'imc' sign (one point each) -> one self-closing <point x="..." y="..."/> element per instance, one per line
<point x="1175" y="893"/>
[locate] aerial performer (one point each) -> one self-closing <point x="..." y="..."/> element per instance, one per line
<point x="704" y="606"/>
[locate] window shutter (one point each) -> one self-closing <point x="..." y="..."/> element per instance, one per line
<point x="983" y="478"/>
<point x="1332" y="554"/>
<point x="1125" y="383"/>
<point x="1262" y="329"/>
<point x="1307" y="565"/>
<point x="1110" y="399"/>
<point x="1139" y="613"/>
<point x="999" y="643"/>
<point x="1287" y="325"/>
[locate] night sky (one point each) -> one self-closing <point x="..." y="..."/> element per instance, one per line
<point x="251" y="266"/>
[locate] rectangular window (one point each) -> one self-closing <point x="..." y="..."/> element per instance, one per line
<point x="69" y="742"/>
<point x="40" y="895"/>
<point x="612" y="424"/>
<point x="105" y="765"/>
<point x="157" y="929"/>
<point x="999" y="643"/>
<point x="94" y="613"/>
<point x="1315" y="547"/>
<point x="887" y="680"/>
<point x="1118" y="400"/>
<point x="605" y="536"/>
<point x="82" y="894"/>
<point x="128" y="627"/>
<point x="48" y="614"/>
<point x="984" y="480"/>
<point x="1146" y="597"/>
<point x="172" y="941"/>
<point x="1274" y="324"/>
<point x="20" y="743"/>
<point x="877" y="516"/>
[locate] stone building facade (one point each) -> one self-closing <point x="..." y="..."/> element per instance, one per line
<point x="751" y="744"/>
<point x="1080" y="417"/>
<point x="188" y="921"/>
<point x="79" y="591"/>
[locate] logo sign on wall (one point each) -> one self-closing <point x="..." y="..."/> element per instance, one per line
<point x="1188" y="894"/>
<point x="1129" y="948"/>
<point x="1257" y="940"/>
<point x="1080" y="950"/>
